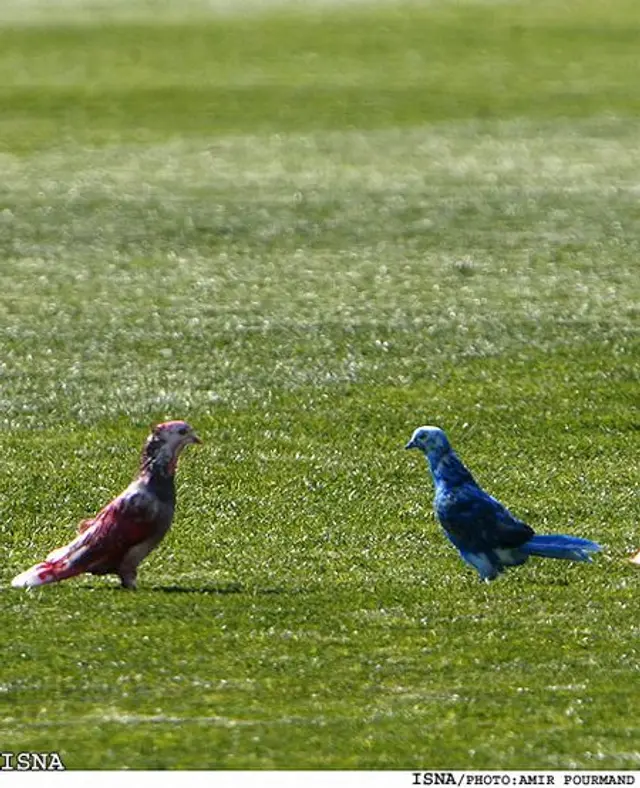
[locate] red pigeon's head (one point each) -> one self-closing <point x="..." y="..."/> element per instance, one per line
<point x="165" y="444"/>
<point x="175" y="433"/>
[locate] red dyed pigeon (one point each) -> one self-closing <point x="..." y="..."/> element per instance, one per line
<point x="120" y="536"/>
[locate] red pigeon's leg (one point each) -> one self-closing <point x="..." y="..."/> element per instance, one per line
<point x="128" y="568"/>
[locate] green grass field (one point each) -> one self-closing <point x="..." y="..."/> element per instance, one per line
<point x="309" y="229"/>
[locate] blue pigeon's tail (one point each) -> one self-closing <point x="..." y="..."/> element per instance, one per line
<point x="572" y="548"/>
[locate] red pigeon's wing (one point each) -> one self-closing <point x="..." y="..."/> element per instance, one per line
<point x="104" y="541"/>
<point x="82" y="526"/>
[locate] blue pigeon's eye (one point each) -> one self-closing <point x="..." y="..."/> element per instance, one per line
<point x="182" y="431"/>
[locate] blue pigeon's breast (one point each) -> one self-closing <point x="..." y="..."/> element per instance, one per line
<point x="450" y="502"/>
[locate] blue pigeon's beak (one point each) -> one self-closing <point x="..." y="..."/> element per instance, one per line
<point x="411" y="445"/>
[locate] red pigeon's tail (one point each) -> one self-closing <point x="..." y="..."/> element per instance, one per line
<point x="55" y="567"/>
<point x="39" y="575"/>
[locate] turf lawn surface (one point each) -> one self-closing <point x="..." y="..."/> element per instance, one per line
<point x="309" y="229"/>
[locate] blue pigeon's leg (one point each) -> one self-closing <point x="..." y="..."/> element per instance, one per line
<point x="482" y="564"/>
<point x="511" y="556"/>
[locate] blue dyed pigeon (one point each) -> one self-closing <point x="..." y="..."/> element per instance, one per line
<point x="487" y="535"/>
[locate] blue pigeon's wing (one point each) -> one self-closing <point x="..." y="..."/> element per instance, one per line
<point x="510" y="531"/>
<point x="475" y="522"/>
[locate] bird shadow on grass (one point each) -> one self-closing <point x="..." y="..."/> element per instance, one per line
<point x="541" y="582"/>
<point x="229" y="588"/>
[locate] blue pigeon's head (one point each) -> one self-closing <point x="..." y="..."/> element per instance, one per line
<point x="429" y="440"/>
